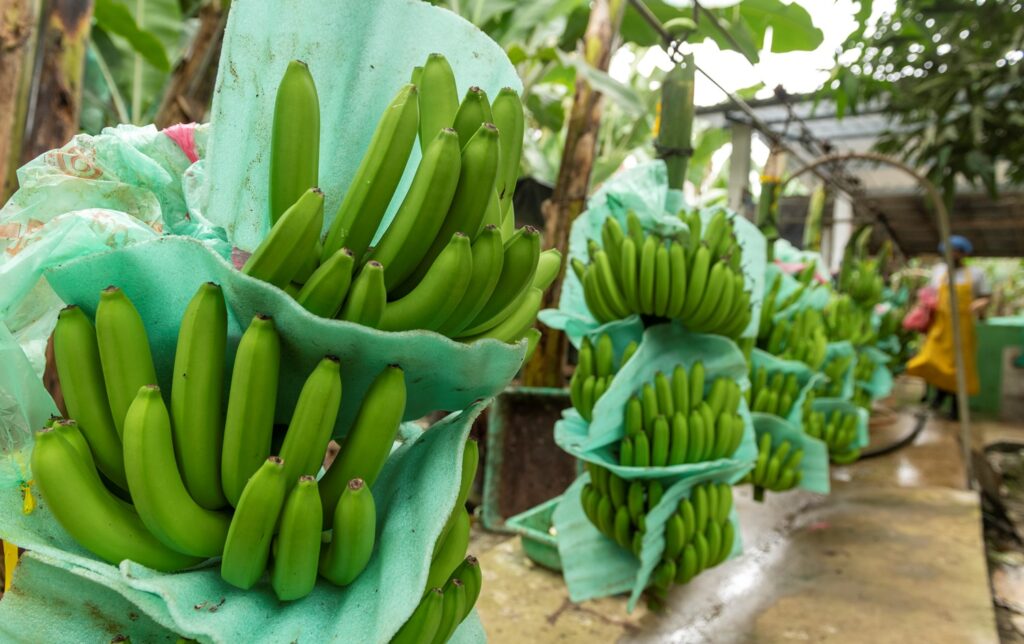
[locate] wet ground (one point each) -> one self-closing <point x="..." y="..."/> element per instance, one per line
<point x="895" y="554"/>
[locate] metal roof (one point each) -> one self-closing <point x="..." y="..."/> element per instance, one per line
<point x="994" y="226"/>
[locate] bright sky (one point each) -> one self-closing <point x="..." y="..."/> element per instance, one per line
<point x="796" y="71"/>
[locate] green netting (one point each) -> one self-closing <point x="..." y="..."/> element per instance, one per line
<point x="595" y="566"/>
<point x="828" y="405"/>
<point x="442" y="373"/>
<point x="806" y="378"/>
<point x="414" y="493"/>
<point x="814" y="466"/>
<point x="644" y="190"/>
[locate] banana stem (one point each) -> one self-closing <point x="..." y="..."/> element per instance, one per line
<point x="758" y="493"/>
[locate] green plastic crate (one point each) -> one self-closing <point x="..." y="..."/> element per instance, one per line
<point x="534" y="526"/>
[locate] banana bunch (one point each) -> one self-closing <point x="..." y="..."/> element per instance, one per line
<point x="451" y="259"/>
<point x="198" y="473"/>
<point x="864" y="369"/>
<point x="774" y="303"/>
<point x="698" y="535"/>
<point x="774" y="395"/>
<point x="837" y="430"/>
<point x="594" y="372"/>
<point x="694" y="279"/>
<point x="834" y="370"/>
<point x="777" y="468"/>
<point x="677" y="420"/>
<point x="802" y="338"/>
<point x="861" y="397"/>
<point x="863" y="282"/>
<point x="846" y="320"/>
<point x="444" y="607"/>
<point x="453" y="580"/>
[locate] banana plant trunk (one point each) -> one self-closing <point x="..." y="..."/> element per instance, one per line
<point x="56" y="95"/>
<point x="18" y="33"/>
<point x="190" y="89"/>
<point x="569" y="198"/>
<point x="675" y="129"/>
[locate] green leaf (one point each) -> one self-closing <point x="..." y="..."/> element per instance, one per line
<point x="792" y="27"/>
<point x="140" y="82"/>
<point x="624" y="96"/>
<point x="635" y="29"/>
<point x="546" y="107"/>
<point x="115" y="18"/>
<point x="708" y="142"/>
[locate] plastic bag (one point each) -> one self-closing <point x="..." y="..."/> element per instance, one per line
<point x="881" y="382"/>
<point x="414" y="494"/>
<point x="814" y="466"/>
<point x="644" y="190"/>
<point x="595" y="566"/>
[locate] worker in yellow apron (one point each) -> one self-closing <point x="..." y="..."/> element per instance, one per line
<point x="936" y="360"/>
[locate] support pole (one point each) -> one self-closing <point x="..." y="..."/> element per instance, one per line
<point x="739" y="169"/>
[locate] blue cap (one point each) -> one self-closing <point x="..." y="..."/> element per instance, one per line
<point x="960" y="243"/>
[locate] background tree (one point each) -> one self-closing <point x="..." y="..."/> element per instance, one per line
<point x="949" y="73"/>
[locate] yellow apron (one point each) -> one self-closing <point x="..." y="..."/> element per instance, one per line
<point x="936" y="362"/>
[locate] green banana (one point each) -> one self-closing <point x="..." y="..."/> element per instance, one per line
<point x="291" y="240"/>
<point x="81" y="381"/>
<point x="679" y="442"/>
<point x="422" y="625"/>
<point x="325" y="290"/>
<point x="696" y="377"/>
<point x="712" y="296"/>
<point x="354" y="526"/>
<point x="297" y="547"/>
<point x="416" y="223"/>
<point x="312" y="421"/>
<point x="374" y="183"/>
<point x="370" y="438"/>
<point x="549" y="264"/>
<point x="437" y="295"/>
<point x="606" y="516"/>
<point x="452" y="608"/>
<point x="688" y="566"/>
<point x="699" y="277"/>
<point x="469" y="572"/>
<point x="451" y="551"/>
<point x="438" y="98"/>
<point x="626" y="457"/>
<point x="367" y="298"/>
<point x="97" y="520"/>
<point x="622" y="529"/>
<point x="698" y="437"/>
<point x="473" y="112"/>
<point x="478" y="169"/>
<point x="634" y="416"/>
<point x="674" y="533"/>
<point x="662" y="281"/>
<point x="593" y="295"/>
<point x="677" y="280"/>
<point x="156" y="486"/>
<point x="649" y="402"/>
<point x="519" y="266"/>
<point x="252" y="527"/>
<point x="681" y="389"/>
<point x="124" y="352"/>
<point x="660" y="442"/>
<point x="648" y="266"/>
<point x="294" y="139"/>
<point x="519" y="321"/>
<point x="197" y="399"/>
<point x="507" y="111"/>
<point x="249" y="423"/>
<point x="663" y="390"/>
<point x="609" y="284"/>
<point x="69" y="431"/>
<point x="728" y="536"/>
<point x="628" y="277"/>
<point x="612" y="237"/>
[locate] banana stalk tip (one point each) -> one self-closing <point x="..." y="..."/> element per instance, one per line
<point x="111" y="289"/>
<point x="276" y="460"/>
<point x="356" y="484"/>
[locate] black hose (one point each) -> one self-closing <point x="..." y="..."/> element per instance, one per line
<point x="922" y="420"/>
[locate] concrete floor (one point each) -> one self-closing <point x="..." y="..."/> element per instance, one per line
<point x="894" y="554"/>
